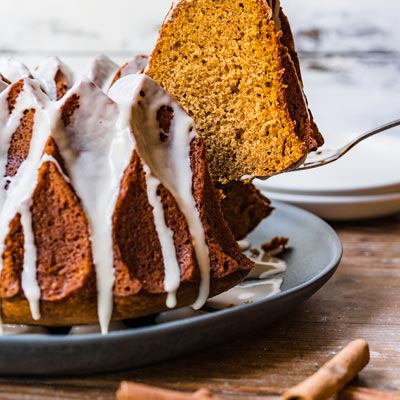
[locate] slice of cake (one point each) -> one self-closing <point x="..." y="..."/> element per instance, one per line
<point x="233" y="67"/>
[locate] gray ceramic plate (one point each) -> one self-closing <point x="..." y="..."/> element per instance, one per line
<point x="314" y="256"/>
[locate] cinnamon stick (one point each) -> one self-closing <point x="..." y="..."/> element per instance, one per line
<point x="137" y="391"/>
<point x="329" y="380"/>
<point x="332" y="377"/>
<point x="133" y="391"/>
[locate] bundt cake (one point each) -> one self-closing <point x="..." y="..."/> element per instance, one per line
<point x="107" y="208"/>
<point x="232" y="65"/>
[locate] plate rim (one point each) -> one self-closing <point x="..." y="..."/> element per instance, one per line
<point x="322" y="199"/>
<point x="373" y="190"/>
<point x="343" y="208"/>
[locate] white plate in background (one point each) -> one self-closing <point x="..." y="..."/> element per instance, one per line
<point x="343" y="208"/>
<point x="373" y="167"/>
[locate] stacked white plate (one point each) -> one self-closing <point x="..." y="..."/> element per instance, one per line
<point x="365" y="183"/>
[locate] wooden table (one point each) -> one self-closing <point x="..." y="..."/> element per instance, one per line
<point x="361" y="300"/>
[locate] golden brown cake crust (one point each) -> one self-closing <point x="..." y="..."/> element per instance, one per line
<point x="295" y="101"/>
<point x="79" y="308"/>
<point x="288" y="41"/>
<point x="228" y="266"/>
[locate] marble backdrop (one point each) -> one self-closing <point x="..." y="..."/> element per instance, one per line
<point x="350" y="50"/>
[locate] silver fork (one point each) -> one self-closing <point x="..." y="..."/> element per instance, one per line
<point x="326" y="156"/>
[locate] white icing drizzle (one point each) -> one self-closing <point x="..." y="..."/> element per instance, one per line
<point x="246" y="293"/>
<point x="90" y="329"/>
<point x="169" y="161"/>
<point x="166" y="237"/>
<point x="125" y="92"/>
<point x="258" y="284"/>
<point x="101" y="71"/>
<point x="46" y="72"/>
<point x="17" y="198"/>
<point x="13" y="69"/>
<point x="49" y="158"/>
<point x="99" y="142"/>
<point x="265" y="263"/>
<point x="29" y="282"/>
<point x="244" y="244"/>
<point x="134" y="66"/>
<point x="264" y="269"/>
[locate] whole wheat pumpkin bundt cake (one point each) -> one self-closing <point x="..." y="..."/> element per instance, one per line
<point x="107" y="208"/>
<point x="233" y="67"/>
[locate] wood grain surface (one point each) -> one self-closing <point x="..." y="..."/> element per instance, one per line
<point x="361" y="300"/>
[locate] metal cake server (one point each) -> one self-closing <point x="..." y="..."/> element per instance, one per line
<point x="326" y="156"/>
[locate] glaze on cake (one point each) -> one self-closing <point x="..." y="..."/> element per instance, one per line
<point x="93" y="226"/>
